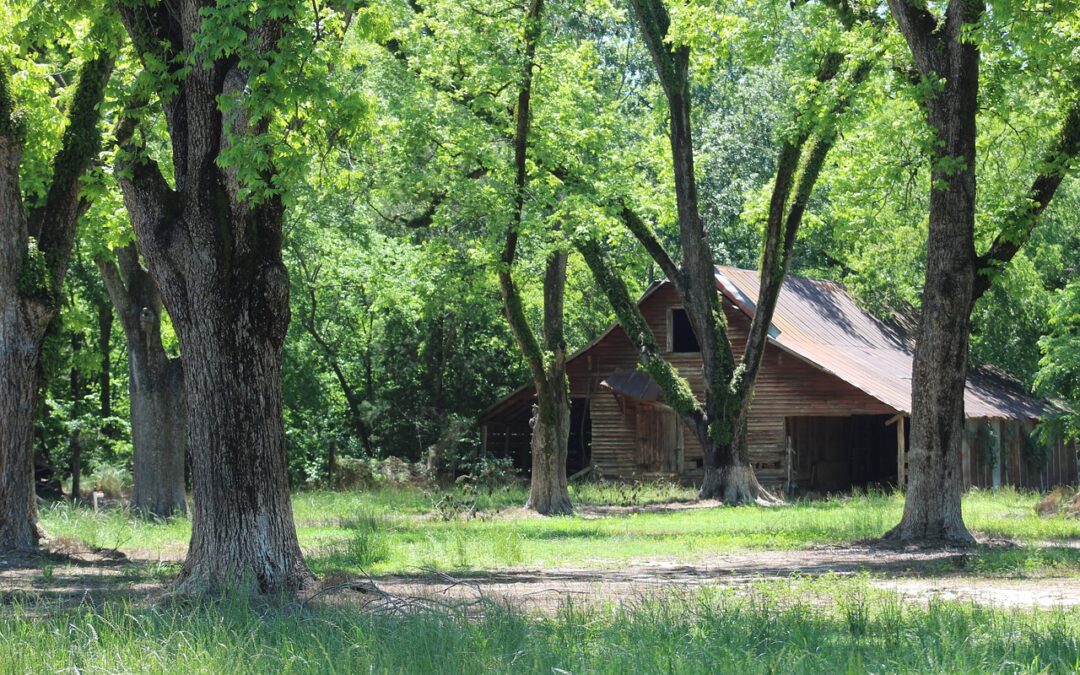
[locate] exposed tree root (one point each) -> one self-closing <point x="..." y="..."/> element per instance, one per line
<point x="735" y="485"/>
<point x="930" y="534"/>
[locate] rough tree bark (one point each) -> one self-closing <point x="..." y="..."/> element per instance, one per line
<point x="215" y="254"/>
<point x="155" y="388"/>
<point x="548" y="493"/>
<point x="932" y="503"/>
<point x="35" y="248"/>
<point x="75" y="442"/>
<point x="945" y="54"/>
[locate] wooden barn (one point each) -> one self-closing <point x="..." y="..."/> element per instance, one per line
<point x="829" y="414"/>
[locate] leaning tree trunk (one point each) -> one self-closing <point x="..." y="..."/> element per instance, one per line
<point x="21" y="330"/>
<point x="155" y="388"/>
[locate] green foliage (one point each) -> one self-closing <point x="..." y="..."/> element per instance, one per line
<point x="35" y="277"/>
<point x="1059" y="367"/>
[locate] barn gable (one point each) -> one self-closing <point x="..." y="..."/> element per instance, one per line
<point x="829" y="401"/>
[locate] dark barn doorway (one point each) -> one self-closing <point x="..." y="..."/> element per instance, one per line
<point x="837" y="454"/>
<point x="579" y="445"/>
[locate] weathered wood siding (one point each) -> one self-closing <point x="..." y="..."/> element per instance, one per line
<point x="787" y="387"/>
<point x="1021" y="464"/>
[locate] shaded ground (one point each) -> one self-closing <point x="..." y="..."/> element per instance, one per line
<point x="915" y="574"/>
<point x="69" y="573"/>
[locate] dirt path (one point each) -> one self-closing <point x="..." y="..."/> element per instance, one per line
<point x="917" y="575"/>
<point x="74" y="576"/>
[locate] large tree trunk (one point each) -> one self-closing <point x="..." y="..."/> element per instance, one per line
<point x="20" y="343"/>
<point x="244" y="524"/>
<point x="155" y="388"/>
<point x="214" y="249"/>
<point x="35" y="248"/>
<point x="231" y="329"/>
<point x="932" y="504"/>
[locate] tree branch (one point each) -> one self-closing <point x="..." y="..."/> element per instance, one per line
<point x="1021" y="220"/>
<point x="677" y="390"/>
<point x="644" y="233"/>
<point x="515" y="312"/>
<point x="53" y="224"/>
<point x="921" y="31"/>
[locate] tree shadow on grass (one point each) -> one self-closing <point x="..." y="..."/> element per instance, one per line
<point x="66" y="574"/>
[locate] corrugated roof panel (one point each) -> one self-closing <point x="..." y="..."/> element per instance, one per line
<point x="819" y="322"/>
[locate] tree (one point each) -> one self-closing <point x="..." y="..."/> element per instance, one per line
<point x="1059" y="368"/>
<point x="35" y="247"/>
<point x="548" y="493"/>
<point x="212" y="241"/>
<point x="720" y="422"/>
<point x="155" y="388"/>
<point x="946" y="54"/>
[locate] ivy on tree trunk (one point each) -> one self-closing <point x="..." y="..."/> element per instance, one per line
<point x="35" y="248"/>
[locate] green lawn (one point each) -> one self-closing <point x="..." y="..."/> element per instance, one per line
<point x="399" y="530"/>
<point x="830" y="623"/>
<point x="800" y="626"/>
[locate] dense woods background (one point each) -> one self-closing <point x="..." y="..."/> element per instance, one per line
<point x="397" y="178"/>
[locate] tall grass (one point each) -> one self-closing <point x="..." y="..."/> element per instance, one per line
<point x="774" y="628"/>
<point x="389" y="531"/>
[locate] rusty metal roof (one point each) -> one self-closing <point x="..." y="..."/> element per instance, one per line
<point x="820" y="323"/>
<point x="633" y="384"/>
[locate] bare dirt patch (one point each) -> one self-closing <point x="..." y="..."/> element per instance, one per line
<point x="69" y="573"/>
<point x="916" y="574"/>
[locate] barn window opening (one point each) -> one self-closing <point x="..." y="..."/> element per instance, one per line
<point x="683" y="339"/>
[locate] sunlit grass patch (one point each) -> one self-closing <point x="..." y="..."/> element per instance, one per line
<point x="802" y="626"/>
<point x="401" y="530"/>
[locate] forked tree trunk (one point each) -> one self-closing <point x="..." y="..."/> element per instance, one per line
<point x="35" y="248"/>
<point x="214" y="249"/>
<point x="548" y="494"/>
<point x="155" y="388"/>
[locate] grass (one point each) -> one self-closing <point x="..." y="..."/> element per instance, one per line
<point x="399" y="530"/>
<point x="822" y="624"/>
<point x="797" y="626"/>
